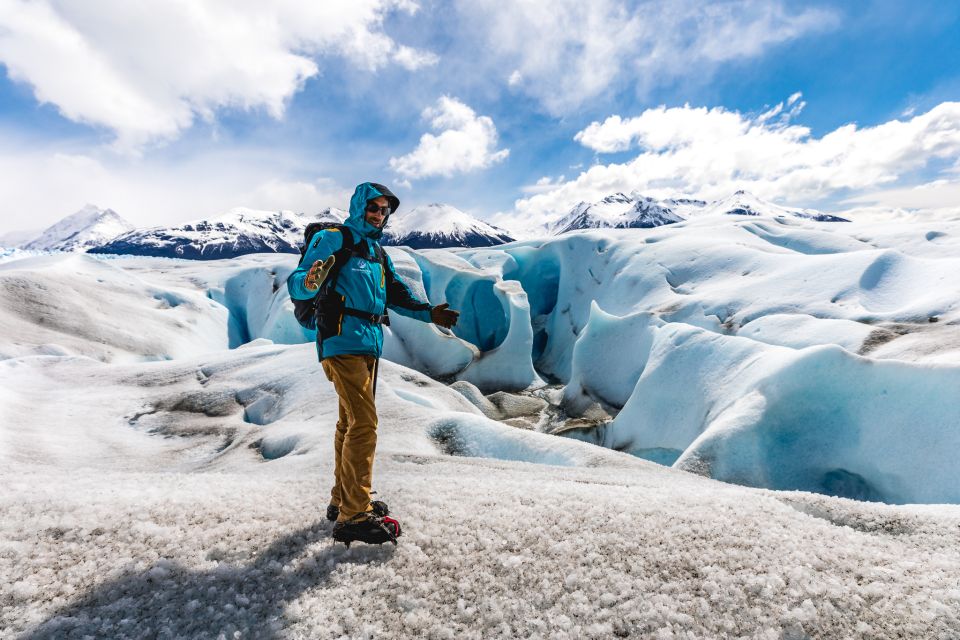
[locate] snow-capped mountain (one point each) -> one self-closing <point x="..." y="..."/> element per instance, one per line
<point x="87" y="228"/>
<point x="243" y="231"/>
<point x="618" y="211"/>
<point x="331" y="214"/>
<point x="441" y="225"/>
<point x="239" y="232"/>
<point x="622" y="211"/>
<point x="743" y="203"/>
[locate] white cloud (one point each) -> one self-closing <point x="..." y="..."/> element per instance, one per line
<point x="569" y="51"/>
<point x="614" y="134"/>
<point x="543" y="185"/>
<point x="145" y="70"/>
<point x="941" y="194"/>
<point x="710" y="153"/>
<point x="464" y="142"/>
<point x="296" y="195"/>
<point x="413" y="59"/>
<point x="662" y="128"/>
<point x="149" y="192"/>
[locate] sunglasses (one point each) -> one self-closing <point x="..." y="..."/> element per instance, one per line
<point x="373" y="208"/>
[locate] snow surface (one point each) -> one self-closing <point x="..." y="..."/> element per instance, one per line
<point x="185" y="498"/>
<point x="165" y="440"/>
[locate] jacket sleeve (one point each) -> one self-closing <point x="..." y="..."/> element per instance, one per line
<point x="324" y="244"/>
<point x="401" y="299"/>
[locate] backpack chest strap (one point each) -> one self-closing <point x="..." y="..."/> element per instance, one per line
<point x="369" y="317"/>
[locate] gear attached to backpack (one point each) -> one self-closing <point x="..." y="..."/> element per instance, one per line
<point x="324" y="312"/>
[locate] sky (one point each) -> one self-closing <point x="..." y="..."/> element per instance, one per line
<point x="514" y="112"/>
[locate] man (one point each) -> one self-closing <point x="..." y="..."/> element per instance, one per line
<point x="349" y="343"/>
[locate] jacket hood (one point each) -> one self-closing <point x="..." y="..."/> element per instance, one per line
<point x="358" y="203"/>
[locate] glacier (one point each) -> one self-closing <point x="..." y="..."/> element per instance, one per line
<point x="165" y="429"/>
<point x="680" y="336"/>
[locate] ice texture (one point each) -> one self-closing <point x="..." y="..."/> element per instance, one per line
<point x="165" y="442"/>
<point x="714" y="293"/>
<point x="186" y="497"/>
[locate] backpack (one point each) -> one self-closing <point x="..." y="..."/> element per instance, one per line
<point x="324" y="311"/>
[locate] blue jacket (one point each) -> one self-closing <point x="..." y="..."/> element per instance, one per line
<point x="362" y="283"/>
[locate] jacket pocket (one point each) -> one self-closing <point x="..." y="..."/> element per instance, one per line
<point x="330" y="316"/>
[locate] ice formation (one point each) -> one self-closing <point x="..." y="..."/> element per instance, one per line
<point x="684" y="333"/>
<point x="165" y="429"/>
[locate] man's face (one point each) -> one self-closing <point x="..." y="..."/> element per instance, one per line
<point x="376" y="218"/>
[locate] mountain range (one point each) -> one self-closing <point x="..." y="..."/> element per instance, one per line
<point x="622" y="211"/>
<point x="238" y="232"/>
<point x="241" y="231"/>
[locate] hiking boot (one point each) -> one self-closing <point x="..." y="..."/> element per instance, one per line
<point x="380" y="509"/>
<point x="371" y="529"/>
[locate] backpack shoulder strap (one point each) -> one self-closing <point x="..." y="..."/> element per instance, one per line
<point x="381" y="257"/>
<point x="348" y="242"/>
<point x="347" y="248"/>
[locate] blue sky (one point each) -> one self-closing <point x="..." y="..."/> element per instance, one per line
<point x="167" y="115"/>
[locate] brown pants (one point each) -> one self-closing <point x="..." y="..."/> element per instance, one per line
<point x="356" y="438"/>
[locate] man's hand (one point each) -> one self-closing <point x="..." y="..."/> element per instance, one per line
<point x="318" y="273"/>
<point x="444" y="317"/>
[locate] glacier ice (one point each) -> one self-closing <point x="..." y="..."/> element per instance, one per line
<point x="158" y="483"/>
<point x="602" y="368"/>
<point x="673" y="331"/>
